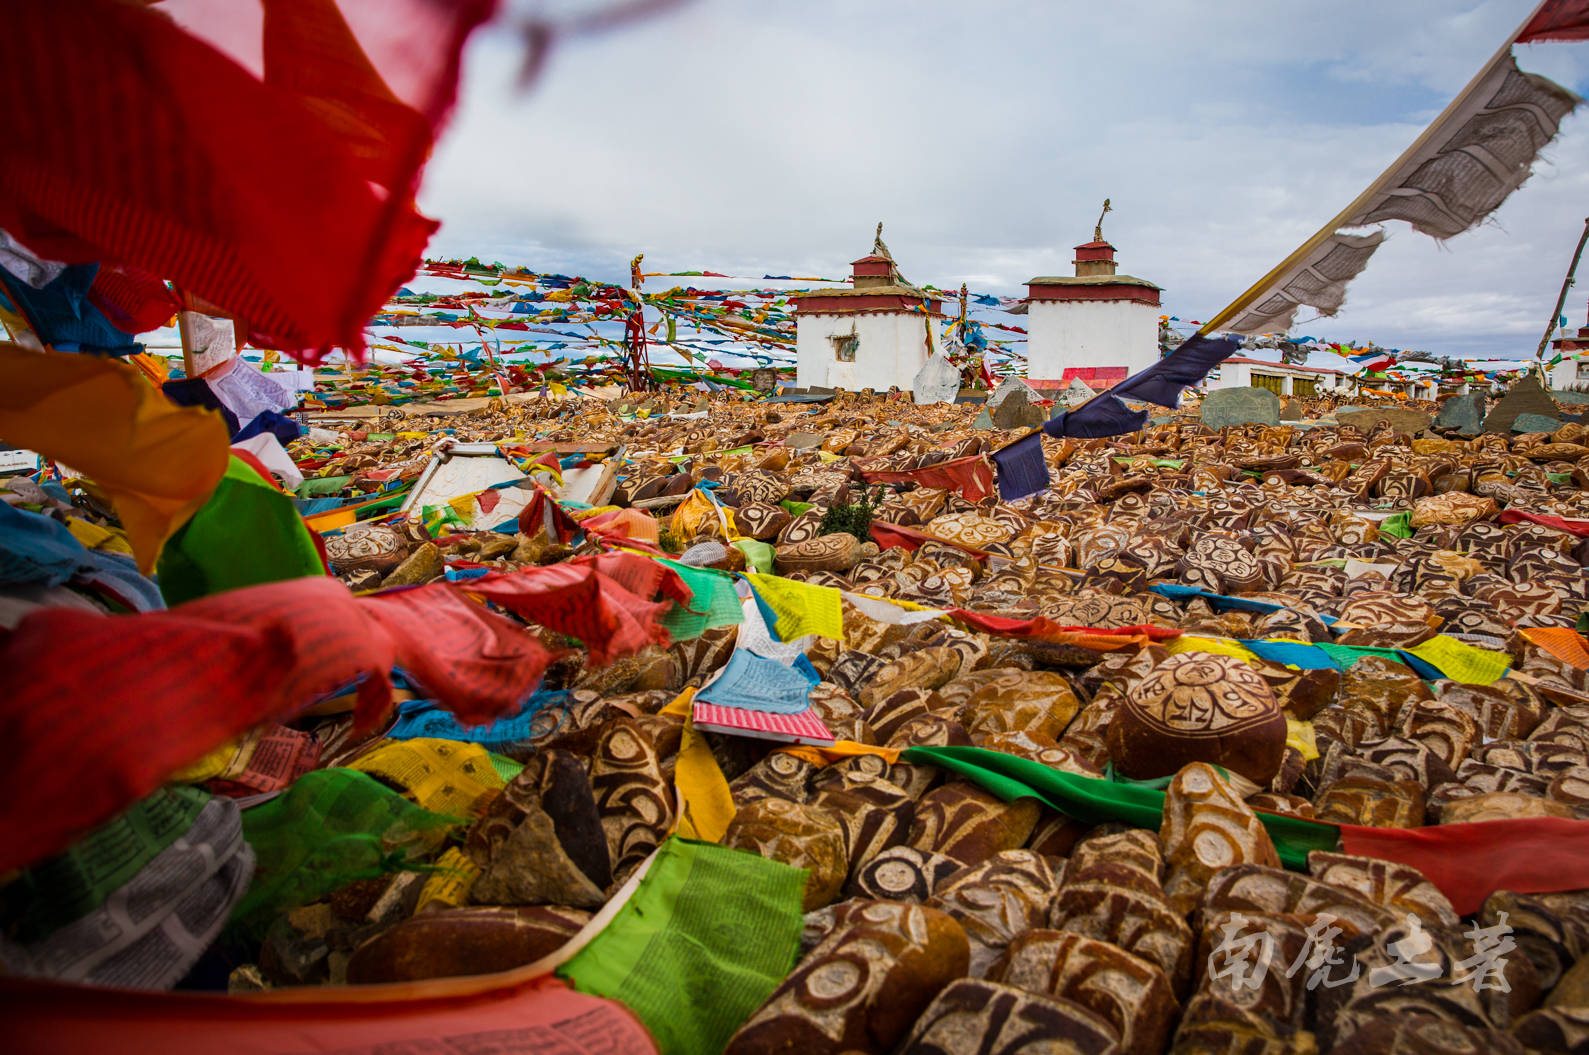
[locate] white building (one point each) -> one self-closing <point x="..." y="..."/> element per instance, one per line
<point x="875" y="335"/>
<point x="1570" y="372"/>
<point x="1282" y="380"/>
<point x="1096" y="326"/>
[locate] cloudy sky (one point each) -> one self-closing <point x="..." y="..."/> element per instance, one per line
<point x="753" y="138"/>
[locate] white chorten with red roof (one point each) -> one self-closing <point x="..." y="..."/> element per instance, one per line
<point x="1096" y="326"/>
<point x="876" y="334"/>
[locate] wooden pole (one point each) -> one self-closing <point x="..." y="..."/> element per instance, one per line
<point x="186" y="333"/>
<point x="1561" y="298"/>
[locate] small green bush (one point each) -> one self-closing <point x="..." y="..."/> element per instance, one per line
<point x="854" y="518"/>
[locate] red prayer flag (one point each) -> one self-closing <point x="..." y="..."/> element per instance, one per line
<point x="888" y="535"/>
<point x="578" y="599"/>
<point x="1469" y="862"/>
<point x="1558" y="20"/>
<point x="971" y="477"/>
<point x="1041" y="628"/>
<point x="266" y="165"/>
<point x="104" y="708"/>
<point x="135" y="300"/>
<point x="523" y="1009"/>
<point x="1580" y="528"/>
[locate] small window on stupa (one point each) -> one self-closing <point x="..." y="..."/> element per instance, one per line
<point x="844" y="347"/>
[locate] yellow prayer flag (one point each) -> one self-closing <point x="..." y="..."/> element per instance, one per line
<point x="228" y="760"/>
<point x="801" y="608"/>
<point x="706" y="806"/>
<point x="93" y="536"/>
<point x="697" y="513"/>
<point x="682" y="703"/>
<point x="839" y="750"/>
<point x="449" y="885"/>
<point x="158" y="462"/>
<point x="1462" y="662"/>
<point x="452" y="777"/>
<point x="1300" y="736"/>
<point x="1217" y="645"/>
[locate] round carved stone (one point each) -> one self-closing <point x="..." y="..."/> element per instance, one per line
<point x="377" y="548"/>
<point x="1199" y="707"/>
<point x="832" y="553"/>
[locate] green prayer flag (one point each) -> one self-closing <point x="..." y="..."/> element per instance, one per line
<point x="322" y="486"/>
<point x="1398" y="526"/>
<point x="330" y="827"/>
<point x="714" y="602"/>
<point x="75" y="882"/>
<point x="1095" y="800"/>
<point x="248" y="533"/>
<point x="704" y="941"/>
<point x="1346" y="655"/>
<point x="758" y="555"/>
<point x="507" y="768"/>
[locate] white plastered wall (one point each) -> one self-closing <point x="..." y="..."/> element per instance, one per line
<point x="1088" y="333"/>
<point x="892" y="347"/>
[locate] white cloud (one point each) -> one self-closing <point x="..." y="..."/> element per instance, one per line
<point x="760" y="138"/>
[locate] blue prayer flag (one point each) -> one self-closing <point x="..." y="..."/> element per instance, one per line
<point x="1163" y="382"/>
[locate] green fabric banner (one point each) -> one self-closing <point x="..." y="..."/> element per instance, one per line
<point x="704" y="941"/>
<point x="758" y="555"/>
<point x="714" y="602"/>
<point x="77" y="881"/>
<point x="331" y="827"/>
<point x="246" y="534"/>
<point x="1095" y="800"/>
<point x="1398" y="526"/>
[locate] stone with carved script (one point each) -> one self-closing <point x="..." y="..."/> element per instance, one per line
<point x="863" y="986"/>
<point x="1206" y="827"/>
<point x="1140" y="923"/>
<point x="1199" y="707"/>
<point x="635" y="799"/>
<point x="962" y="821"/>
<point x="797" y="835"/>
<point x="1131" y="993"/>
<point x="976" y="1015"/>
<point x="902" y="873"/>
<point x="1398" y="887"/>
<point x="1004" y="896"/>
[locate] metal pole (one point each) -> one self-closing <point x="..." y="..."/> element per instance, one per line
<point x="1561" y="298"/>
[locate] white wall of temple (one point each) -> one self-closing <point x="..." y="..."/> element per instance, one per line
<point x="1568" y="373"/>
<point x="1240" y="375"/>
<point x="1087" y="333"/>
<point x="1232" y="375"/>
<point x="891" y="348"/>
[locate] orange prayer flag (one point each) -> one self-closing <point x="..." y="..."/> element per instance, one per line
<point x="157" y="461"/>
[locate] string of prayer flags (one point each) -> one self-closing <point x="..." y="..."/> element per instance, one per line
<point x="1467" y="862"/>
